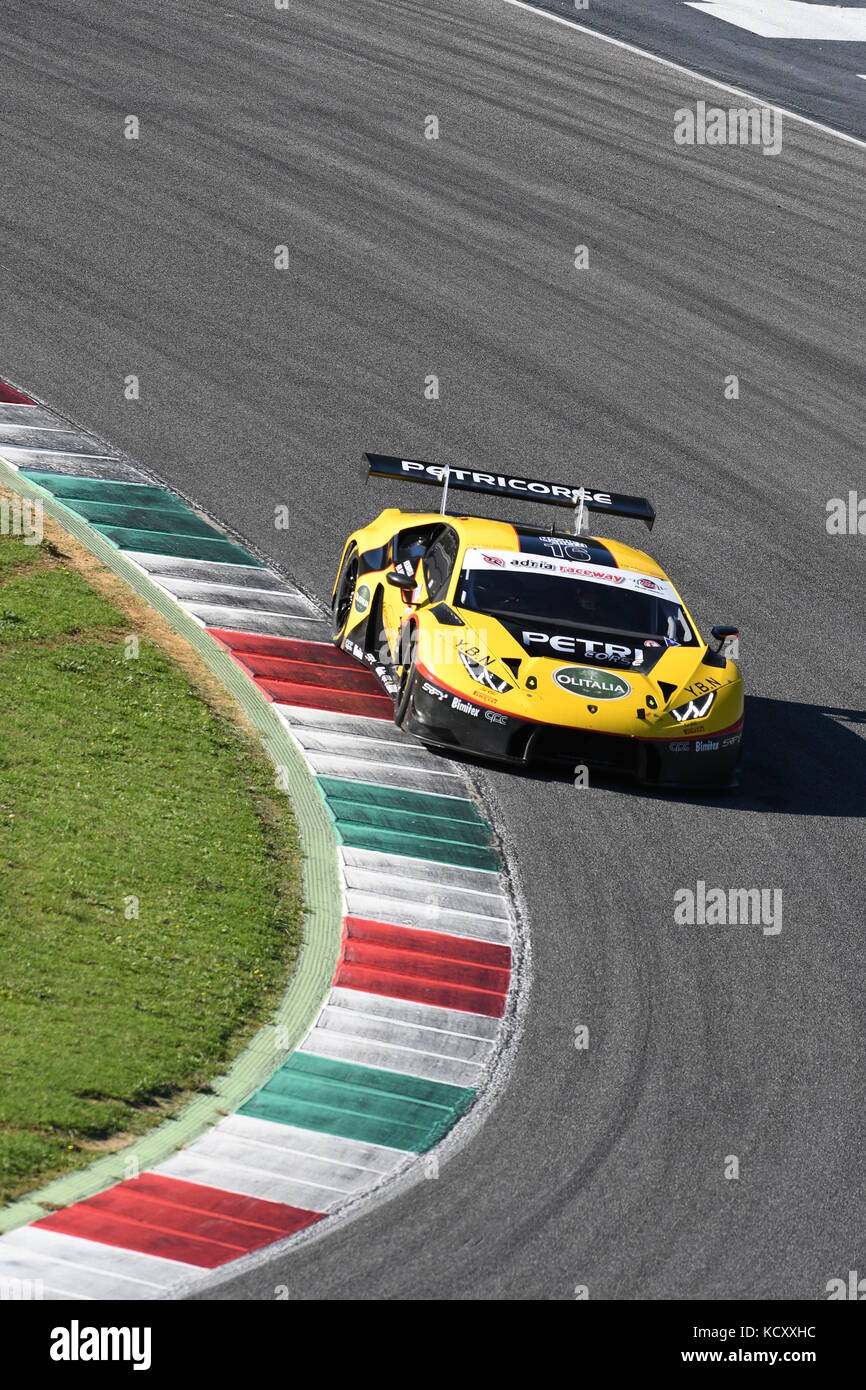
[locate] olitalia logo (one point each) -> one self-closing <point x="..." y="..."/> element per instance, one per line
<point x="594" y="685"/>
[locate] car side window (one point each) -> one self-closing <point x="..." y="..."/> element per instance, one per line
<point x="439" y="562"/>
<point x="411" y="544"/>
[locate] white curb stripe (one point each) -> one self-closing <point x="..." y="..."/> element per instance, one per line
<point x="311" y="1171"/>
<point x="399" y="865"/>
<point x="242" y="604"/>
<point x="409" y="779"/>
<point x="427" y="1042"/>
<point x="51" y="439"/>
<point x="72" y="1263"/>
<point x="280" y="1163"/>
<point x="406" y="1011"/>
<point x="303" y="717"/>
<point x="161" y="567"/>
<point x="260" y="624"/>
<point x="423" y="918"/>
<point x="27" y="416"/>
<point x="377" y="1159"/>
<point x="380" y="753"/>
<point x="211" y="589"/>
<point x="390" y="1057"/>
<point x="230" y="1166"/>
<point x="102" y="466"/>
<point x="404" y="889"/>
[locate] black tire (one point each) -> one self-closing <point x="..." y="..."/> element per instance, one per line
<point x="375" y="642"/>
<point x="344" y="593"/>
<point x="407" y="672"/>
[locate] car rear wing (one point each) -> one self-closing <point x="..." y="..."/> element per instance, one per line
<point x="508" y="485"/>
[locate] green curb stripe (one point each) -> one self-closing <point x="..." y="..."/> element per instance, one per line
<point x="357" y="1102"/>
<point x="142" y="517"/>
<point x="177" y="521"/>
<point x="352" y="813"/>
<point x="418" y="825"/>
<point x="182" y="547"/>
<point x="419" y="847"/>
<point x="322" y="934"/>
<point x="400" y="799"/>
<point x="66" y="485"/>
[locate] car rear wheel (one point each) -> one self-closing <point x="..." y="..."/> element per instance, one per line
<point x="344" y="594"/>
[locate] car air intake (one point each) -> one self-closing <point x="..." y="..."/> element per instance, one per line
<point x="446" y="615"/>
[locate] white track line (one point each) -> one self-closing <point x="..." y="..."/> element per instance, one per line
<point x="687" y="72"/>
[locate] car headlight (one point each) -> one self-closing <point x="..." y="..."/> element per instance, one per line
<point x="695" y="709"/>
<point x="479" y="669"/>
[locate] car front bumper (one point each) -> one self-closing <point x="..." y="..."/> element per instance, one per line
<point x="446" y="720"/>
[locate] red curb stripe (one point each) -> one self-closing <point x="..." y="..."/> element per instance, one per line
<point x="189" y="1222"/>
<point x="310" y="674"/>
<point x="419" y="991"/>
<point x="357" y="680"/>
<point x="322" y="652"/>
<point x="451" y="972"/>
<point x="10" y="396"/>
<point x="432" y="943"/>
<point x="337" y="701"/>
<point x="416" y="965"/>
<point x="252" y="1211"/>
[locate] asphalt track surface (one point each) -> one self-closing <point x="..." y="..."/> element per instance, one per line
<point x="455" y="257"/>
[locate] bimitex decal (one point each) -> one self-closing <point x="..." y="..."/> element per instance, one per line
<point x="362" y="598"/>
<point x="464" y="707"/>
<point x="592" y="685"/>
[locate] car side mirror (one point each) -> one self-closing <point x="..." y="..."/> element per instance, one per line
<point x="721" y="632"/>
<point x="407" y="582"/>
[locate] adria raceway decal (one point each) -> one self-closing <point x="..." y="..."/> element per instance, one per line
<point x="411" y="1027"/>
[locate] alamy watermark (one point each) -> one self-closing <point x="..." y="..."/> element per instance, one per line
<point x="732" y="125"/>
<point x="846" y="516"/>
<point x="702" y="906"/>
<point x="21" y="516"/>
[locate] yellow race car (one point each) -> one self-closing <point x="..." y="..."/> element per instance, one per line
<point x="528" y="646"/>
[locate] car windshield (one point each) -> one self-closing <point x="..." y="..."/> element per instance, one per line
<point x="513" y="587"/>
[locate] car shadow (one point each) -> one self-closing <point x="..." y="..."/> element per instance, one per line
<point x="798" y="759"/>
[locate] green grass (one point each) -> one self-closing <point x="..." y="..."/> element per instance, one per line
<point x="118" y="781"/>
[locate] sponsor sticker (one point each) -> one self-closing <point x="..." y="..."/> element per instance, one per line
<point x="703" y="687"/>
<point x="464" y="707"/>
<point x="362" y="598"/>
<point x="431" y="690"/>
<point x="369" y="659"/>
<point x="569" y="569"/>
<point x="592" y="685"/>
<point x="495" y="718"/>
<point x="563" y="644"/>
